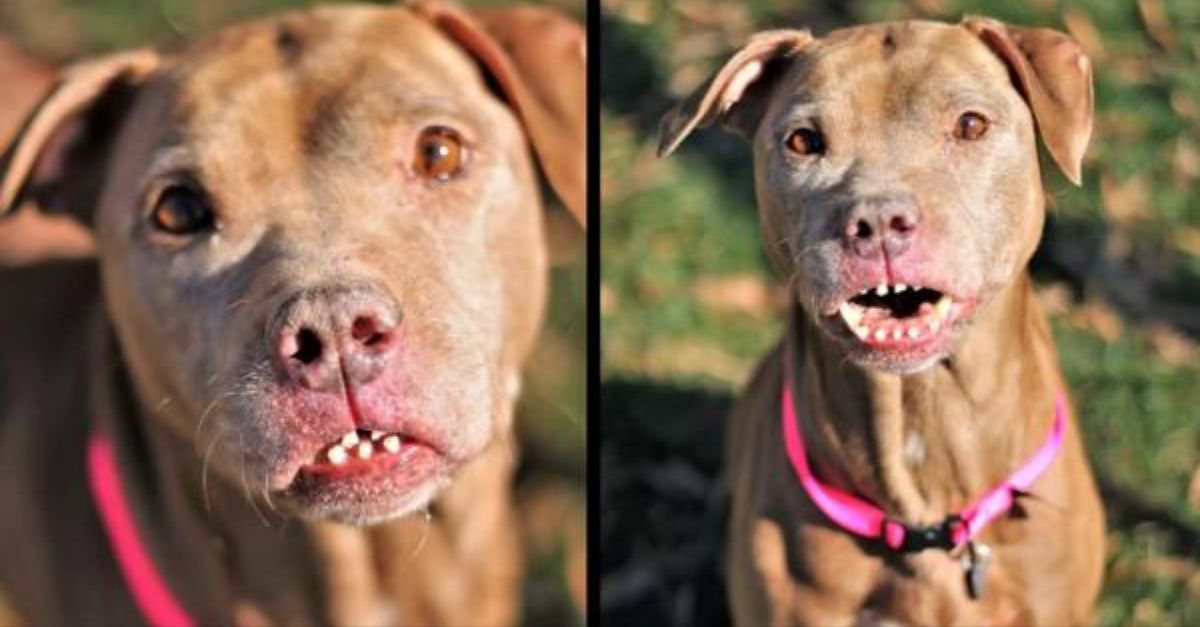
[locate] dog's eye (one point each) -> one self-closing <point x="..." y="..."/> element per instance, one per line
<point x="806" y="141"/>
<point x="440" y="154"/>
<point x="182" y="210"/>
<point x="971" y="126"/>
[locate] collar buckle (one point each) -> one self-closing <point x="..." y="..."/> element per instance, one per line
<point x="940" y="536"/>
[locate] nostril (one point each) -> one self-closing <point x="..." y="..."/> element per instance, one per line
<point x="861" y="229"/>
<point x="901" y="223"/>
<point x="366" y="331"/>
<point x="308" y="347"/>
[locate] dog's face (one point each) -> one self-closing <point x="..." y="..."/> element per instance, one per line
<point x="320" y="225"/>
<point x="321" y="249"/>
<point x="897" y="180"/>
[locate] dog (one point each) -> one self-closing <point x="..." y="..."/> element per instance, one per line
<point x="906" y="454"/>
<point x="281" y="391"/>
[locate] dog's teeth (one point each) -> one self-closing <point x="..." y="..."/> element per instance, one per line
<point x="880" y="335"/>
<point x="364" y="450"/>
<point x="899" y="287"/>
<point x="882" y="290"/>
<point x="897" y="333"/>
<point x="852" y="314"/>
<point x="350" y="439"/>
<point x="337" y="455"/>
<point x="377" y="435"/>
<point x="392" y="443"/>
<point x="913" y="332"/>
<point x="942" y="307"/>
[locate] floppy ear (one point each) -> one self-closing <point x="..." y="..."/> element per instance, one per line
<point x="727" y="95"/>
<point x="538" y="59"/>
<point x="1055" y="78"/>
<point x="57" y="156"/>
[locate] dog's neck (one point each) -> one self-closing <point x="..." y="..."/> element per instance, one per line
<point x="885" y="436"/>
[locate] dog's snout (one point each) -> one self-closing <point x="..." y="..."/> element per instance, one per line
<point x="882" y="225"/>
<point x="323" y="335"/>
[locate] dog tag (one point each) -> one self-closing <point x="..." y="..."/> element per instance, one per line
<point x="975" y="563"/>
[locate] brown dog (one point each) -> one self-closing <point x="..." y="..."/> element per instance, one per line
<point x="320" y="267"/>
<point x="899" y="190"/>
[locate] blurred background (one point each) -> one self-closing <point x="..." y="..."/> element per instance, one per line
<point x="688" y="302"/>
<point x="551" y="417"/>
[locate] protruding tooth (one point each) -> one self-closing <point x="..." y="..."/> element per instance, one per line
<point x="851" y="313"/>
<point x="337" y="455"/>
<point x="897" y="333"/>
<point x="913" y="332"/>
<point x="882" y="290"/>
<point x="862" y="332"/>
<point x="880" y="335"/>
<point x="392" y="443"/>
<point x="942" y="307"/>
<point x="899" y="287"/>
<point x="350" y="439"/>
<point x="364" y="450"/>
<point x="377" y="435"/>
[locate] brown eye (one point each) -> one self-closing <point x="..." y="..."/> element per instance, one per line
<point x="182" y="210"/>
<point x="440" y="154"/>
<point x="971" y="126"/>
<point x="806" y="141"/>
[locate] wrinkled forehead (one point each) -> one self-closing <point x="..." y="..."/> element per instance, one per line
<point x="891" y="66"/>
<point x="312" y="77"/>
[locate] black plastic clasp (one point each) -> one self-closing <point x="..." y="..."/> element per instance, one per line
<point x="939" y="536"/>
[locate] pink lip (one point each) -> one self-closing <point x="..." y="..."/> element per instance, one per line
<point x="412" y="465"/>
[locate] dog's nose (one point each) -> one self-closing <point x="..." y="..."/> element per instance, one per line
<point x="884" y="224"/>
<point x="322" y="335"/>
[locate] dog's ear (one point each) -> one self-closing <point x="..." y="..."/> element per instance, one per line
<point x="730" y="94"/>
<point x="538" y="59"/>
<point x="56" y="157"/>
<point x="1055" y="78"/>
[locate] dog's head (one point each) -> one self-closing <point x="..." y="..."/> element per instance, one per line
<point x="320" y="235"/>
<point x="896" y="168"/>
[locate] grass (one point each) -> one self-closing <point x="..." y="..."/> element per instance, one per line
<point x="689" y="303"/>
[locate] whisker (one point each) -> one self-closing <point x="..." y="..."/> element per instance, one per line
<point x="212" y="446"/>
<point x="266" y="492"/>
<point x="246" y="485"/>
<point x="424" y="534"/>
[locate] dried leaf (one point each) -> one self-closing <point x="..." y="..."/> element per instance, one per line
<point x="1125" y="201"/>
<point x="1194" y="489"/>
<point x="741" y="293"/>
<point x="1055" y="298"/>
<point x="1081" y="27"/>
<point x="1097" y="318"/>
<point x="1154" y="15"/>
<point x="1187" y="239"/>
<point x="608" y="300"/>
<point x="1172" y="346"/>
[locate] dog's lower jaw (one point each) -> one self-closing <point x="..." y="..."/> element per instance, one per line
<point x="416" y="501"/>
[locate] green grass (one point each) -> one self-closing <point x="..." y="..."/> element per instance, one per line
<point x="669" y="226"/>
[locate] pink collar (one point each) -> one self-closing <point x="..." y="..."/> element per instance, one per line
<point x="867" y="520"/>
<point x="149" y="590"/>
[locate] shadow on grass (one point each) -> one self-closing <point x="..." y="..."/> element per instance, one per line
<point x="664" y="505"/>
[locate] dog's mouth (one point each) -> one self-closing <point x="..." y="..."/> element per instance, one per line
<point x="367" y="475"/>
<point x="898" y="316"/>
